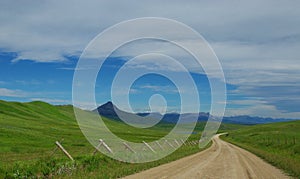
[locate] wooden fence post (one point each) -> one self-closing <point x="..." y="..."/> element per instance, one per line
<point x="64" y="150"/>
<point x="128" y="147"/>
<point x="98" y="146"/>
<point x="56" y="148"/>
<point x="149" y="147"/>
<point x="101" y="142"/>
<point x="177" y="142"/>
<point x="182" y="141"/>
<point x="159" y="145"/>
<point x="166" y="141"/>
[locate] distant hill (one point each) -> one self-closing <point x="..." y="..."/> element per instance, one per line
<point x="109" y="110"/>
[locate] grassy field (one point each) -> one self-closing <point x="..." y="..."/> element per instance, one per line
<point x="277" y="143"/>
<point x="29" y="130"/>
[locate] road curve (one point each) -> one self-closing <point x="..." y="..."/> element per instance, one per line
<point x="221" y="160"/>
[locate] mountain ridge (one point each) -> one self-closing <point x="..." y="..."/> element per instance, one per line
<point x="108" y="110"/>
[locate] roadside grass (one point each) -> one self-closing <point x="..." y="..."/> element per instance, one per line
<point x="86" y="166"/>
<point x="277" y="143"/>
<point x="29" y="130"/>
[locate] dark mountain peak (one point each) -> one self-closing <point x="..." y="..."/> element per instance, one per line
<point x="107" y="105"/>
<point x="107" y="110"/>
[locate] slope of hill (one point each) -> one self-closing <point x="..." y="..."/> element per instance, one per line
<point x="278" y="143"/>
<point x="33" y="127"/>
<point x="29" y="130"/>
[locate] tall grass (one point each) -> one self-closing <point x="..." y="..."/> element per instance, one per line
<point x="85" y="166"/>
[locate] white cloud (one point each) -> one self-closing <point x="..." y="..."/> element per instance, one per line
<point x="85" y="105"/>
<point x="262" y="110"/>
<point x="46" y="31"/>
<point x="4" y="92"/>
<point x="53" y="101"/>
<point x="257" y="42"/>
<point x="30" y="82"/>
<point x="157" y="88"/>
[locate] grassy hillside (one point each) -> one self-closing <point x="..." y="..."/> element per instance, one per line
<point x="29" y="130"/>
<point x="277" y="143"/>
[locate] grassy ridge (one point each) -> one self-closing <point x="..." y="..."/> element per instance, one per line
<point x="29" y="130"/>
<point x="277" y="143"/>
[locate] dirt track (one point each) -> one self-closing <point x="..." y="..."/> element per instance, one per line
<point x="221" y="160"/>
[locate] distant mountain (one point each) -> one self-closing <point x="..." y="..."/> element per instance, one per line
<point x="174" y="117"/>
<point x="107" y="110"/>
<point x="250" y="120"/>
<point x="110" y="110"/>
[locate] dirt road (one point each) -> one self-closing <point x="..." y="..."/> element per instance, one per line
<point x="221" y="160"/>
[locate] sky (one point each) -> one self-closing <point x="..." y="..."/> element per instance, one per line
<point x="256" y="42"/>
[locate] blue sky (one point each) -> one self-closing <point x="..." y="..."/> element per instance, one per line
<point x="256" y="42"/>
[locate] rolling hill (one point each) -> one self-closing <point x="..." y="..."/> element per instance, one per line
<point x="29" y="131"/>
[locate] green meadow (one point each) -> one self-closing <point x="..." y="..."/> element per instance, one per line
<point x="29" y="131"/>
<point x="277" y="143"/>
<point x="28" y="135"/>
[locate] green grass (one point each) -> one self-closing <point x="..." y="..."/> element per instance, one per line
<point x="29" y="130"/>
<point x="86" y="166"/>
<point x="277" y="143"/>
